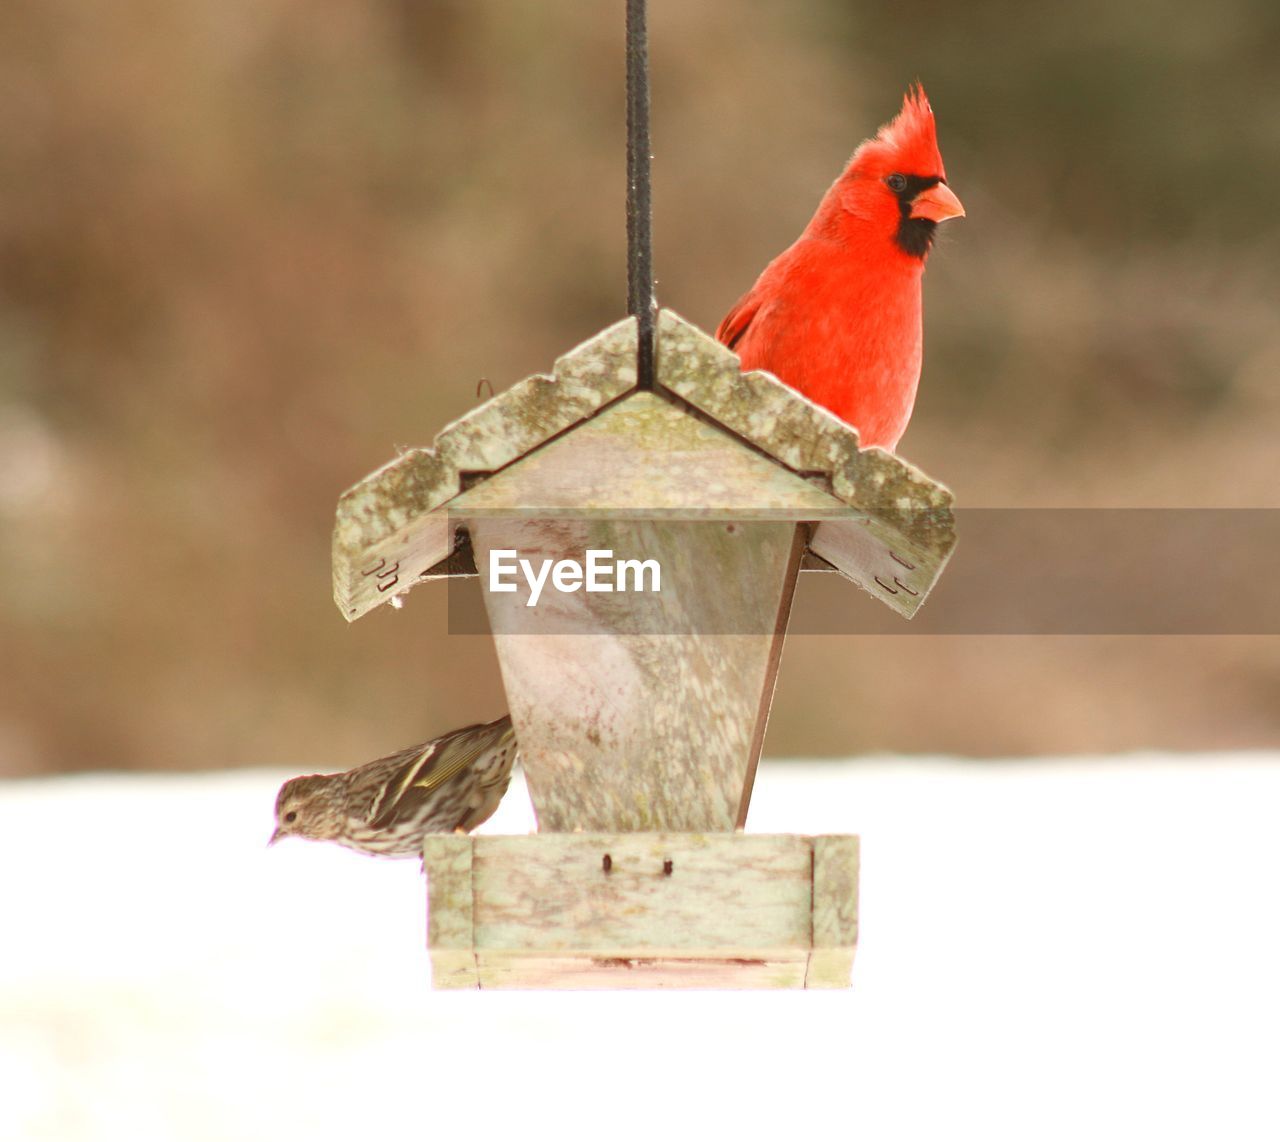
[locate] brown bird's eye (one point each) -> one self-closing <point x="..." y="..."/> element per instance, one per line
<point x="290" y="817"/>
<point x="897" y="183"/>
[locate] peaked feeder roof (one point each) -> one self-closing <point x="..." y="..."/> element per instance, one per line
<point x="709" y="442"/>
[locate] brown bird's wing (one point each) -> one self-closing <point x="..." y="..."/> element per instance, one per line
<point x="737" y="320"/>
<point x="431" y="766"/>
<point x="492" y="788"/>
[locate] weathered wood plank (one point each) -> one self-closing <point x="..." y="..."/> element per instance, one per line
<point x="756" y="406"/>
<point x="786" y="425"/>
<point x="882" y="560"/>
<point x="447" y="861"/>
<point x="644" y="457"/>
<point x="781" y="618"/>
<point x="379" y="519"/>
<point x="835" y="911"/>
<point x="391" y="565"/>
<point x="896" y="509"/>
<point x="557" y="892"/>
<point x="505" y="970"/>
<point x="640" y="711"/>
<point x="664" y="910"/>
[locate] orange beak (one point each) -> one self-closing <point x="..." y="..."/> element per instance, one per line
<point x="937" y="203"/>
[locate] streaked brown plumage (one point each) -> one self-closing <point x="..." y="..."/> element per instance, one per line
<point x="385" y="808"/>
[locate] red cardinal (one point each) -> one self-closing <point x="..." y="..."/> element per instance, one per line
<point x="837" y="315"/>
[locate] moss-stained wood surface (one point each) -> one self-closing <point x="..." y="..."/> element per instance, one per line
<point x="566" y="900"/>
<point x="451" y="920"/>
<point x="643" y="910"/>
<point x="643" y="711"/>
<point x="835" y="911"/>
<point x="711" y="442"/>
<point x="526" y="972"/>
<point x="881" y="560"/>
<point x="381" y="520"/>
<point x="646" y="458"/>
<point x="901" y="516"/>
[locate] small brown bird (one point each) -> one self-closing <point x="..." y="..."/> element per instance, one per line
<point x="449" y="784"/>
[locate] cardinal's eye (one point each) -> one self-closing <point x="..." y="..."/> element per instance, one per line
<point x="897" y="183"/>
<point x="290" y="817"/>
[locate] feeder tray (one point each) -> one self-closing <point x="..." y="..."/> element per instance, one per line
<point x="641" y="716"/>
<point x="623" y="910"/>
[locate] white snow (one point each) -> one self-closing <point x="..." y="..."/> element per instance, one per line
<point x="1050" y="949"/>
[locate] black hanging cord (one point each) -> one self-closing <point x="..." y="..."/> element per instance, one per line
<point x="640" y="300"/>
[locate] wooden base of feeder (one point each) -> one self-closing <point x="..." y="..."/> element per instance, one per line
<point x="641" y="910"/>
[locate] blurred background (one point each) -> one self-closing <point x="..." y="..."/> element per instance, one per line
<point x="248" y="250"/>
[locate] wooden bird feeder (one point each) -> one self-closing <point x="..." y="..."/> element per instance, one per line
<point x="641" y="714"/>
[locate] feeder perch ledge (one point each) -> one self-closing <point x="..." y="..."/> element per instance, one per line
<point x="582" y="910"/>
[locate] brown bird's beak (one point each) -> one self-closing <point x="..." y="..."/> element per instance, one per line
<point x="275" y="837"/>
<point x="937" y="204"/>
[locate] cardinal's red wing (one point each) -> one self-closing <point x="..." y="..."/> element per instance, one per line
<point x="737" y="320"/>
